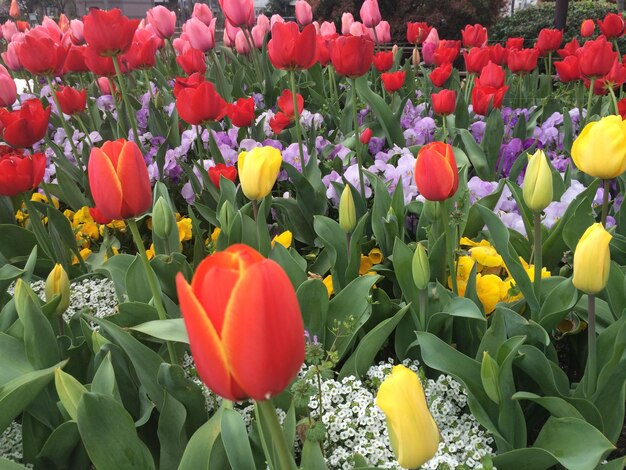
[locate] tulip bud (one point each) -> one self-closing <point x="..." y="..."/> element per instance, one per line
<point x="592" y="260"/>
<point x="537" y="186"/>
<point x="416" y="59"/>
<point x="227" y="216"/>
<point x="162" y="216"/>
<point x="347" y="210"/>
<point x="489" y="373"/>
<point x="395" y="49"/>
<point x="58" y="283"/>
<point x="420" y="267"/>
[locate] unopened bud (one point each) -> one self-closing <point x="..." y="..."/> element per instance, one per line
<point x="416" y="56"/>
<point x="420" y="267"/>
<point x="58" y="283"/>
<point x="537" y="186"/>
<point x="162" y="216"/>
<point x="347" y="210"/>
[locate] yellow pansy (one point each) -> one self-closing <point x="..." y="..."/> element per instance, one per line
<point x="184" y="229"/>
<point x="488" y="289"/>
<point x="487" y="256"/>
<point x="214" y="234"/>
<point x="328" y="282"/>
<point x="285" y="239"/>
<point x="84" y="254"/>
<point x="150" y="251"/>
<point x="38" y="197"/>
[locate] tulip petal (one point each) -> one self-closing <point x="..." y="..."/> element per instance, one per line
<point x="104" y="184"/>
<point x="434" y="177"/>
<point x="135" y="181"/>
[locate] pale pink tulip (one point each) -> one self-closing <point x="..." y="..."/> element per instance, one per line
<point x="304" y="14"/>
<point x="162" y="20"/>
<point x="258" y="36"/>
<point x="241" y="44"/>
<point x="199" y="35"/>
<point x="238" y="12"/>
<point x="370" y="13"/>
<point x="10" y="57"/>
<point x="9" y="29"/>
<point x="76" y="31"/>
<point x="328" y="29"/>
<point x="8" y="89"/>
<point x="264" y="22"/>
<point x="276" y="19"/>
<point x="346" y="22"/>
<point x="203" y="13"/>
<point x="383" y="32"/>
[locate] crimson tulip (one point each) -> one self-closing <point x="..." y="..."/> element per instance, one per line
<point x="192" y="61"/>
<point x="446" y="52"/>
<point x="587" y="28"/>
<point x="286" y="115"/>
<point x="416" y="33"/>
<point x="201" y="104"/>
<point x="192" y="81"/>
<point x="569" y="69"/>
<point x="100" y="65"/>
<point x="241" y="112"/>
<point x="614" y="79"/>
<point x="393" y="81"/>
<point x="383" y="61"/>
<point x="612" y="26"/>
<point x="75" y="60"/>
<point x="119" y="180"/>
<point x="485" y="96"/>
<point x="109" y="32"/>
<point x="474" y="36"/>
<point x="444" y="102"/>
<point x="40" y="54"/>
<point x="219" y="170"/>
<point x="26" y="126"/>
<point x="238" y="12"/>
<point x="98" y="217"/>
<point x="71" y="100"/>
<point x="142" y="52"/>
<point x="491" y="75"/>
<point x="352" y="56"/>
<point x="244" y="324"/>
<point x="19" y="172"/>
<point x="476" y="59"/>
<point x="324" y="44"/>
<point x="596" y="57"/>
<point x="514" y="43"/>
<point x="498" y="54"/>
<point x="290" y="49"/>
<point x="366" y="136"/>
<point x="621" y="108"/>
<point x="521" y="61"/>
<point x="440" y="74"/>
<point x="569" y="49"/>
<point x="436" y="174"/>
<point x="548" y="41"/>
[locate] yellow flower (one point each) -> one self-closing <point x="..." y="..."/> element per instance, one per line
<point x="114" y="250"/>
<point x="285" y="239"/>
<point x="117" y="225"/>
<point x="57" y="283"/>
<point x="90" y="230"/>
<point x="258" y="170"/>
<point x="214" y="234"/>
<point x="82" y="216"/>
<point x="20" y="217"/>
<point x="149" y="223"/>
<point x="184" y="229"/>
<point x="375" y="255"/>
<point x="69" y="214"/>
<point x="412" y="430"/>
<point x="600" y="149"/>
<point x="366" y="264"/>
<point x="150" y="251"/>
<point x="468" y="242"/>
<point x="464" y="267"/>
<point x="488" y="289"/>
<point x="38" y="197"/>
<point x="592" y="260"/>
<point x="84" y="254"/>
<point x="328" y="282"/>
<point x="347" y="210"/>
<point x="486" y="256"/>
<point x="509" y="292"/>
<point x="537" y="186"/>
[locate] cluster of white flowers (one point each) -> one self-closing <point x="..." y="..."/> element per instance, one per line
<point x="11" y="443"/>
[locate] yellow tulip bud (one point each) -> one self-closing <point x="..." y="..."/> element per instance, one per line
<point x="258" y="170"/>
<point x="347" y="210"/>
<point x="592" y="260"/>
<point x="600" y="149"/>
<point x="537" y="187"/>
<point x="412" y="430"/>
<point x="420" y="267"/>
<point x="58" y="283"/>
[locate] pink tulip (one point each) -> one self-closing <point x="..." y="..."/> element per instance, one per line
<point x="8" y="89"/>
<point x="181" y="43"/>
<point x="317" y="27"/>
<point x="304" y="14"/>
<point x="52" y="27"/>
<point x="148" y="32"/>
<point x="328" y="29"/>
<point x="357" y="29"/>
<point x="162" y="20"/>
<point x="203" y="13"/>
<point x="276" y="19"/>
<point x="64" y="23"/>
<point x="433" y="37"/>
<point x="346" y="22"/>
<point x="370" y="13"/>
<point x="9" y="29"/>
<point x="76" y="32"/>
<point x="10" y="57"/>
<point x="238" y="12"/>
<point x="227" y="40"/>
<point x="383" y="32"/>
<point x="104" y="85"/>
<point x="264" y="22"/>
<point x="231" y="31"/>
<point x="428" y="51"/>
<point x="258" y="36"/>
<point x="199" y="35"/>
<point x="241" y="44"/>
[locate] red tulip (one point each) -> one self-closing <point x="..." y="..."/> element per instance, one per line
<point x="75" y="60"/>
<point x="192" y="61"/>
<point x="201" y="104"/>
<point x="70" y="100"/>
<point x="383" y="61"/>
<point x="522" y="61"/>
<point x="587" y="28"/>
<point x="549" y="40"/>
<point x="436" y="174"/>
<point x="162" y="20"/>
<point x="241" y="112"/>
<point x="98" y="217"/>
<point x="366" y="136"/>
<point x="109" y="32"/>
<point x="474" y="36"/>
<point x="219" y="170"/>
<point x="476" y="59"/>
<point x="498" y="54"/>
<point x="244" y="324"/>
<point x="485" y="96"/>
<point x="569" y="69"/>
<point x="613" y="25"/>
<point x="447" y="52"/>
<point x="444" y="102"/>
<point x="287" y="114"/>
<point x="352" y="56"/>
<point x="98" y="64"/>
<point x="596" y="57"/>
<point x="417" y="32"/>
<point x="290" y="49"/>
<point x="40" y="54"/>
<point x="569" y="49"/>
<point x="440" y="74"/>
<point x="26" y="126"/>
<point x="192" y="81"/>
<point x="238" y="12"/>
<point x="324" y="43"/>
<point x="19" y="172"/>
<point x="491" y="75"/>
<point x="393" y="81"/>
<point x="614" y="79"/>
<point x="514" y="43"/>
<point x="119" y="180"/>
<point x="142" y="52"/>
<point x="621" y="108"/>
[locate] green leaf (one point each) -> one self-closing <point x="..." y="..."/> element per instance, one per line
<point x="557" y="407"/>
<point x="167" y="330"/>
<point x="10" y="465"/>
<point x="137" y="286"/>
<point x="236" y="442"/>
<point x="402" y="265"/>
<point x="335" y="242"/>
<point x="198" y="451"/>
<point x="171" y="432"/>
<point x="13" y="359"/>
<point x="476" y="155"/>
<point x="491" y="143"/>
<point x="312" y="457"/>
<point x="289" y="262"/>
<point x="489" y="373"/>
<point x="109" y="435"/>
<point x="69" y="390"/>
<point x="558" y="303"/>
<point x="59" y="446"/>
<point x="313" y="299"/>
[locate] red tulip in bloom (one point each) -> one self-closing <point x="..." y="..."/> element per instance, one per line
<point x="192" y="81"/>
<point x="219" y="170"/>
<point x="569" y="69"/>
<point x="612" y="80"/>
<point x="40" y="54"/>
<point x="476" y="59"/>
<point x="447" y="52"/>
<point x="192" y="61"/>
<point x="241" y="112"/>
<point x="119" y="180"/>
<point x="366" y="136"/>
<point x="549" y="40"/>
<point x="587" y="28"/>
<point x="436" y="175"/>
<point x="393" y="81"/>
<point x="569" y="49"/>
<point x="142" y="52"/>
<point x="485" y="96"/>
<point x="621" y="108"/>
<point x="352" y="56"/>
<point x="201" y="104"/>
<point x="98" y="64"/>
<point x="71" y="100"/>
<point x="474" y="36"/>
<point x="290" y="49"/>
<point x="244" y="324"/>
<point x="162" y="20"/>
<point x="612" y="26"/>
<point x="75" y="60"/>
<point x="498" y="54"/>
<point x="514" y="43"/>
<point x="26" y="126"/>
<point x="522" y="61"/>
<point x="596" y="57"/>
<point x="98" y="217"/>
<point x="491" y="75"/>
<point x="416" y="33"/>
<point x="444" y="102"/>
<point x="109" y="32"/>
<point x="238" y="12"/>
<point x="440" y="74"/>
<point x="383" y="61"/>
<point x="324" y="43"/>
<point x="19" y="172"/>
<point x="286" y="115"/>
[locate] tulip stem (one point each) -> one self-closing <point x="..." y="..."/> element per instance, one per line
<point x="592" y="82"/>
<point x="591" y="345"/>
<point x="357" y="139"/>
<point x="423" y="307"/>
<point x="537" y="249"/>
<point x="153" y="282"/>
<point x="117" y="108"/>
<point x="296" y="114"/>
<point x="81" y="124"/>
<point x="148" y="84"/>
<point x="605" y="202"/>
<point x="255" y="209"/>
<point x="268" y="415"/>
<point x="129" y="109"/>
<point x="613" y="100"/>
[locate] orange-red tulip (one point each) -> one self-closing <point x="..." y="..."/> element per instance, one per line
<point x="244" y="324"/>
<point x="71" y="100"/>
<point x="119" y="180"/>
<point x="436" y="174"/>
<point x="109" y="32"/>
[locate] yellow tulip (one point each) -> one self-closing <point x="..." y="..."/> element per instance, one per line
<point x="412" y="430"/>
<point x="592" y="260"/>
<point x="258" y="170"/>
<point x="347" y="210"/>
<point x="285" y="239"/>
<point x="58" y="283"/>
<point x="600" y="149"/>
<point x="537" y="187"/>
